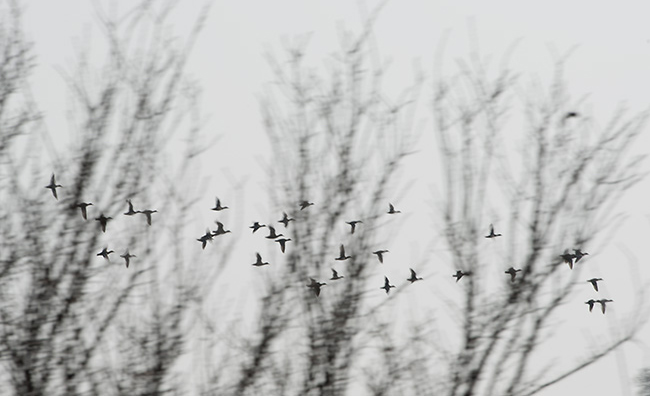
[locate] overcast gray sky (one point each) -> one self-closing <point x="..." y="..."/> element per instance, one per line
<point x="609" y="66"/>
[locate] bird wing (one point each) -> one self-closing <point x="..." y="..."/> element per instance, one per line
<point x="259" y="257"/>
<point x="413" y="276"/>
<point x="342" y="250"/>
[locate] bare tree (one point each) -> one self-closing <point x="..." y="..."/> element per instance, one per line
<point x="551" y="187"/>
<point x="73" y="322"/>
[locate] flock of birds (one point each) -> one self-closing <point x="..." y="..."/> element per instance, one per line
<point x="314" y="285"/>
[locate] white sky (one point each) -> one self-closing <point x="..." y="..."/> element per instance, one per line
<point x="611" y="66"/>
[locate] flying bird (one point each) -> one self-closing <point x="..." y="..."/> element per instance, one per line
<point x="568" y="258"/>
<point x="413" y="277"/>
<point x="256" y="226"/>
<point x="131" y="211"/>
<point x="353" y="225"/>
<point x="594" y="282"/>
<point x="380" y="255"/>
<point x="259" y="262"/>
<point x="459" y="274"/>
<point x="220" y="230"/>
<point x="342" y="255"/>
<point x="282" y="242"/>
<point x="387" y="286"/>
<point x="52" y="186"/>
<point x="315" y="286"/>
<point x="104" y="253"/>
<point x="492" y="234"/>
<point x="285" y="219"/>
<point x="578" y="254"/>
<point x="603" y="303"/>
<point x="103" y="220"/>
<point x="205" y="238"/>
<point x="305" y="204"/>
<point x="83" y="206"/>
<point x="335" y="275"/>
<point x="126" y="257"/>
<point x="218" y="206"/>
<point x="513" y="273"/>
<point x="272" y="234"/>
<point x="391" y="209"/>
<point x="591" y="303"/>
<point x="148" y="213"/>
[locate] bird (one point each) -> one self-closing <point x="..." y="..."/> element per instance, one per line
<point x="218" y="206"/>
<point x="220" y="230"/>
<point x="413" y="277"/>
<point x="602" y="304"/>
<point x="83" y="206"/>
<point x="282" y="242"/>
<point x="591" y="303"/>
<point x="342" y="255"/>
<point x="104" y="253"/>
<point x="127" y="256"/>
<point x="570" y="114"/>
<point x="391" y="209"/>
<point x="305" y="204"/>
<point x="380" y="255"/>
<point x="52" y="186"/>
<point x="259" y="262"/>
<point x="256" y="226"/>
<point x="578" y="254"/>
<point x="594" y="282"/>
<point x="387" y="286"/>
<point x="315" y="286"/>
<point x="353" y="224"/>
<point x="131" y="211"/>
<point x="513" y="273"/>
<point x="568" y="258"/>
<point x="103" y="220"/>
<point x="492" y="234"/>
<point x="335" y="275"/>
<point x="285" y="219"/>
<point x="272" y="234"/>
<point x="147" y="212"/>
<point x="459" y="274"/>
<point x="205" y="238"/>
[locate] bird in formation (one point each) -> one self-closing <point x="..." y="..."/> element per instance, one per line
<point x="282" y="242"/>
<point x="83" y="206"/>
<point x="594" y="282"/>
<point x="256" y="226"/>
<point x="459" y="274"/>
<point x="148" y="213"/>
<point x="103" y="220"/>
<point x="353" y="225"/>
<point x="492" y="234"/>
<point x="591" y="303"/>
<point x="568" y="258"/>
<point x="305" y="204"/>
<point x="218" y="207"/>
<point x="127" y="256"/>
<point x="413" y="277"/>
<point x="335" y="275"/>
<point x="53" y="186"/>
<point x="272" y="234"/>
<point x="391" y="209"/>
<point x="513" y="273"/>
<point x="104" y="253"/>
<point x="315" y="286"/>
<point x="205" y="238"/>
<point x="131" y="211"/>
<point x="387" y="286"/>
<point x="285" y="219"/>
<point x="578" y="254"/>
<point x="342" y="255"/>
<point x="603" y="303"/>
<point x="220" y="229"/>
<point x="259" y="262"/>
<point x="380" y="255"/>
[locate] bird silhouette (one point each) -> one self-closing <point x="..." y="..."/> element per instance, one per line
<point x="594" y="282"/>
<point x="131" y="211"/>
<point x="148" y="213"/>
<point x="285" y="219"/>
<point x="52" y="186"/>
<point x="335" y="275"/>
<point x="220" y="230"/>
<point x="459" y="274"/>
<point x="578" y="254"/>
<point x="305" y="204"/>
<point x="391" y="209"/>
<point x="492" y="234"/>
<point x="218" y="206"/>
<point x="342" y="255"/>
<point x="103" y="220"/>
<point x="591" y="303"/>
<point x="380" y="255"/>
<point x="259" y="262"/>
<point x="568" y="258"/>
<point x="353" y="225"/>
<point x="387" y="286"/>
<point x="256" y="226"/>
<point x="104" y="253"/>
<point x="205" y="238"/>
<point x="603" y="303"/>
<point x="413" y="277"/>
<point x="282" y="242"/>
<point x="513" y="273"/>
<point x="272" y="234"/>
<point x="126" y="256"/>
<point x="315" y="286"/>
<point x="83" y="206"/>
